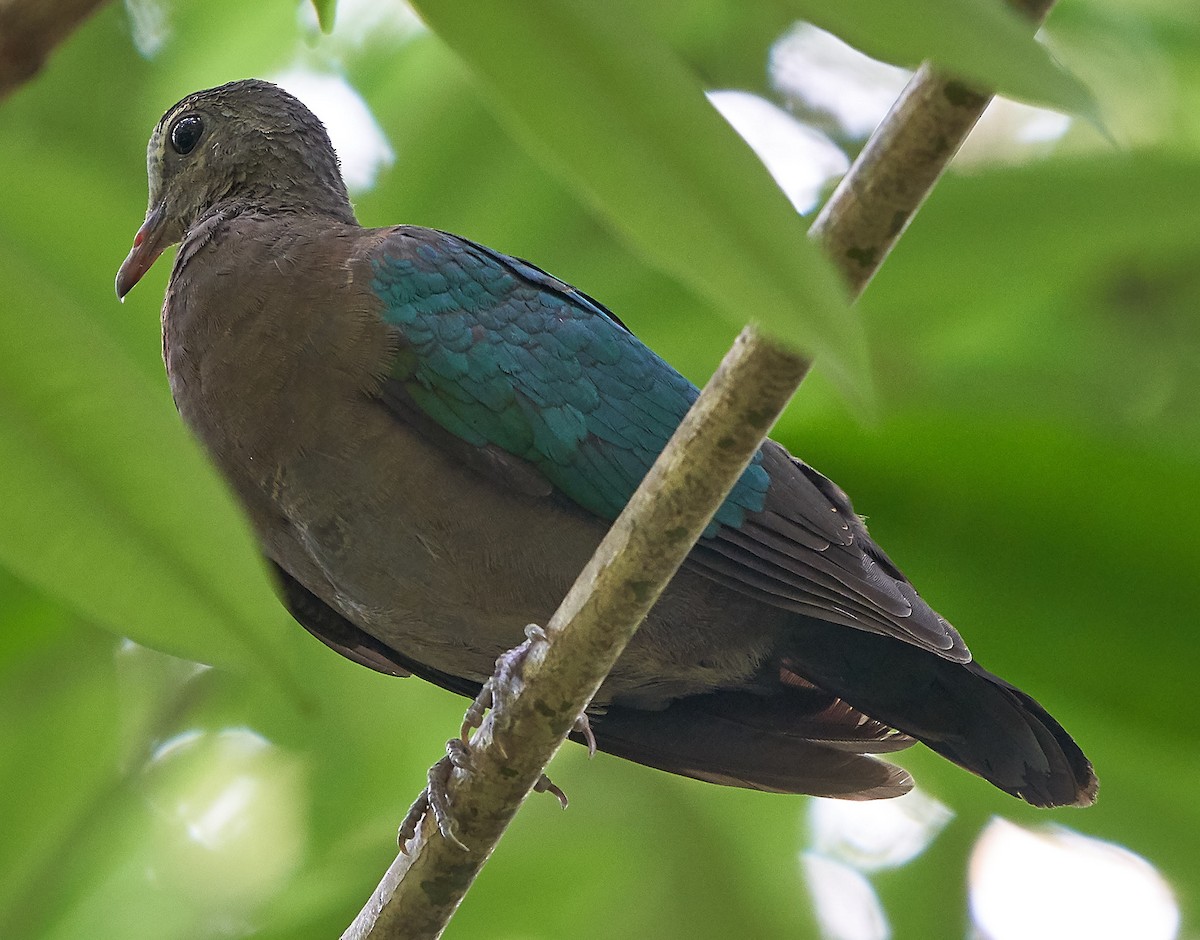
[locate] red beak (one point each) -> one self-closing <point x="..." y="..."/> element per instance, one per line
<point x="148" y="244"/>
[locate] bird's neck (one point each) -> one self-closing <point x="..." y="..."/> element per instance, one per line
<point x="315" y="204"/>
<point x="233" y="212"/>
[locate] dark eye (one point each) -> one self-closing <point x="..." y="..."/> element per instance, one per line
<point x="185" y="134"/>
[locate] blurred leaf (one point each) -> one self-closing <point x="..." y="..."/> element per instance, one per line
<point x="1024" y="474"/>
<point x="120" y="515"/>
<point x="985" y="41"/>
<point x="326" y="12"/>
<point x="726" y="42"/>
<point x="58" y="750"/>
<point x="614" y="111"/>
<point x="1079" y="304"/>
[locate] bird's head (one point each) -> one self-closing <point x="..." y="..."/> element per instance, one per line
<point x="245" y="144"/>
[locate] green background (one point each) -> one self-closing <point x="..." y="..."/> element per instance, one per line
<point x="1027" y="448"/>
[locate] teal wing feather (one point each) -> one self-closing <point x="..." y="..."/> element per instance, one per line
<point x="502" y="355"/>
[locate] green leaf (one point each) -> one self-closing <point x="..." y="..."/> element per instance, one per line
<point x="109" y="506"/>
<point x="1099" y="265"/>
<point x="1065" y="555"/>
<point x="612" y="109"/>
<point x="57" y="766"/>
<point x="984" y="41"/>
<point x="326" y="13"/>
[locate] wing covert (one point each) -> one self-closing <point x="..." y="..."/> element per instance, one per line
<point x="520" y="368"/>
<point x="501" y="354"/>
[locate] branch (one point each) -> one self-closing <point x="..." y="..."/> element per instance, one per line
<point x="630" y="569"/>
<point x="663" y="520"/>
<point x="905" y="157"/>
<point x="29" y="31"/>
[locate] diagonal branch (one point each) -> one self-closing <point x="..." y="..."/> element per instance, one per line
<point x="651" y="538"/>
<point x="905" y="157"/>
<point x="643" y="549"/>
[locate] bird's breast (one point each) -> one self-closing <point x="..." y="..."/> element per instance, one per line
<point x="274" y="357"/>
<point x="275" y="353"/>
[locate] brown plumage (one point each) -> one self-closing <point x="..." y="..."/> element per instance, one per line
<point x="430" y="438"/>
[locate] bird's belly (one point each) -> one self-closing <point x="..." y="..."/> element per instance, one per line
<point x="443" y="562"/>
<point x="427" y="555"/>
<point x="449" y="566"/>
<point x="440" y="561"/>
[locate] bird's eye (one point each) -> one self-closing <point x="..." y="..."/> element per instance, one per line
<point x="185" y="133"/>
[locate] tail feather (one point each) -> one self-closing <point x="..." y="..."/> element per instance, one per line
<point x="1056" y="771"/>
<point x="959" y="710"/>
<point x="808" y="731"/>
<point x="775" y="743"/>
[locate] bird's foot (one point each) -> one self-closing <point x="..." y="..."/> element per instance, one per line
<point x="435" y="797"/>
<point x="503" y="684"/>
<point x="546" y="785"/>
<point x="584" y="727"/>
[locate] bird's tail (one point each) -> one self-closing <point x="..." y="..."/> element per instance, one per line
<point x="799" y="741"/>
<point x="960" y="710"/>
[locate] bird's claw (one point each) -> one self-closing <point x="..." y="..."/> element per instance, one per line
<point x="473" y="717"/>
<point x="503" y="684"/>
<point x="546" y="785"/>
<point x="584" y="727"/>
<point x="500" y="687"/>
<point x="458" y="753"/>
<point x="439" y="797"/>
<point x="436" y="797"/>
<point x="412" y="820"/>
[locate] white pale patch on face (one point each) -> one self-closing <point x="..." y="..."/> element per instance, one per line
<point x="1052" y="883"/>
<point x="801" y="159"/>
<point x="361" y="145"/>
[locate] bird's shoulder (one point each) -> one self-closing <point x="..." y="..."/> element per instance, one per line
<point x="505" y="356"/>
